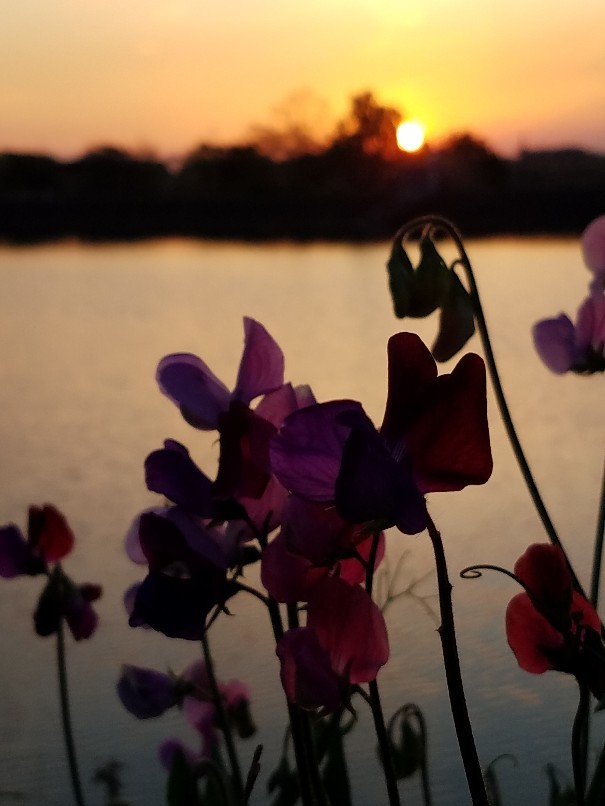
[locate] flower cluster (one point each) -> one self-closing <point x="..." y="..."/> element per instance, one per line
<point x="49" y="540"/>
<point x="580" y="347"/>
<point x="147" y="693"/>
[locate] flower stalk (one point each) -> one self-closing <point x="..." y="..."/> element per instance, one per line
<point x="447" y="633"/>
<point x="66" y="717"/>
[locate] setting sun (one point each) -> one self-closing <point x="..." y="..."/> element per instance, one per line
<point x="410" y="135"/>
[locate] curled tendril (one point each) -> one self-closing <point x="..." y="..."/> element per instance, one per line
<point x="474" y="572"/>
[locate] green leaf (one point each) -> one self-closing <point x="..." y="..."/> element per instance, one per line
<point x="401" y="279"/>
<point x="456" y="322"/>
<point x="430" y="283"/>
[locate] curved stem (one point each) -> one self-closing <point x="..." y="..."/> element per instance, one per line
<point x="450" y="229"/>
<point x="598" y="549"/>
<point x="464" y="732"/>
<point x="238" y="783"/>
<point x="66" y="717"/>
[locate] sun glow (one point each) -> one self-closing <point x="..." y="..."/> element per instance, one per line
<point x="410" y="135"/>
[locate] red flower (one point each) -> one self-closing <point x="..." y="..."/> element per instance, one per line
<point x="551" y="626"/>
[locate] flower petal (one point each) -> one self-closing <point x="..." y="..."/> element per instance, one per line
<point x="261" y="369"/>
<point x="411" y="371"/>
<point x="554" y="340"/>
<point x="188" y="382"/>
<point x="15" y="555"/>
<point x="593" y="245"/>
<point x="146" y="693"/>
<point x="306" y="674"/>
<point x="448" y="443"/>
<point x="49" y="533"/>
<point x="307" y="451"/>
<point x="350" y="628"/>
<point x="530" y="636"/>
<point x="372" y="486"/>
<point x="171" y="472"/>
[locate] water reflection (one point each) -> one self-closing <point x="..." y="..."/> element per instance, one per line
<point x="83" y="329"/>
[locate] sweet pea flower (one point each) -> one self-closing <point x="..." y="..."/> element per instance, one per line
<point x="202" y="398"/>
<point x="49" y="540"/>
<point x="187" y="575"/>
<point x="434" y="437"/>
<point x="552" y="626"/>
<point x="565" y="347"/>
<point x="343" y="643"/>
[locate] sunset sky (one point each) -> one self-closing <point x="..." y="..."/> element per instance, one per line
<point x="166" y="75"/>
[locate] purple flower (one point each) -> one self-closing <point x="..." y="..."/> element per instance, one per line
<point x="202" y="398"/>
<point x="565" y="347"/>
<point x="145" y="692"/>
<point x="434" y="437"/>
<point x="187" y="575"/>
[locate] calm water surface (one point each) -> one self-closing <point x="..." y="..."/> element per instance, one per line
<point x="82" y="329"/>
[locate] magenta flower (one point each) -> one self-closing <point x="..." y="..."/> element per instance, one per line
<point x="145" y="692"/>
<point x="434" y="437"/>
<point x="551" y="626"/>
<point x="49" y="540"/>
<point x="565" y="347"/>
<point x="344" y="642"/>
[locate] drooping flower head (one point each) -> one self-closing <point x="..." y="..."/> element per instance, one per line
<point x="434" y="437"/>
<point x="552" y="626"/>
<point x="593" y="250"/>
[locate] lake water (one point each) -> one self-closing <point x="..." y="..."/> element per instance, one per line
<point x="82" y="329"/>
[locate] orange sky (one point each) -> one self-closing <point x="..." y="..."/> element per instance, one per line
<point x="169" y="74"/>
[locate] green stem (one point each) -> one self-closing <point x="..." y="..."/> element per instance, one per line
<point x="375" y="704"/>
<point x="579" y="744"/>
<point x="447" y="633"/>
<point x="66" y="717"/>
<point x="598" y="549"/>
<point x="223" y="722"/>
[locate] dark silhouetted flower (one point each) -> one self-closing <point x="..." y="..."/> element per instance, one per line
<point x="49" y="540"/>
<point x="434" y="437"/>
<point x="551" y="626"/>
<point x="430" y="286"/>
